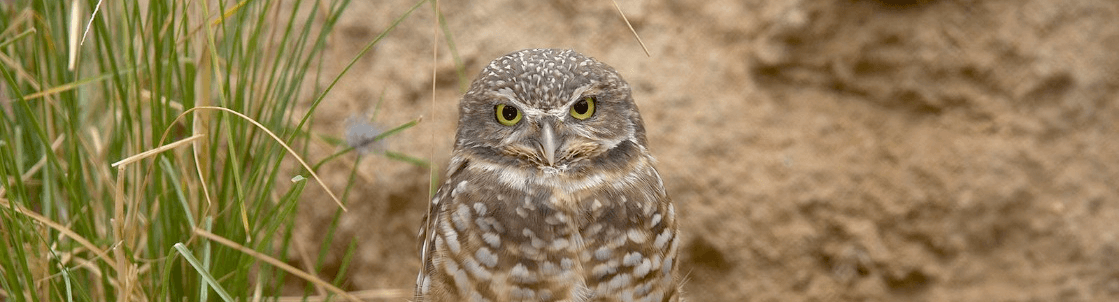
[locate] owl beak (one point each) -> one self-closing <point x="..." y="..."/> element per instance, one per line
<point x="548" y="143"/>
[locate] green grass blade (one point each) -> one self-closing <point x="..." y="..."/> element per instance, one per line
<point x="205" y="275"/>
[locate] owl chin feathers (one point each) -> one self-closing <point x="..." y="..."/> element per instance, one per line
<point x="582" y="165"/>
<point x="569" y="157"/>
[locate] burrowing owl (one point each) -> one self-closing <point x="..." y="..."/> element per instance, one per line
<point x="551" y="193"/>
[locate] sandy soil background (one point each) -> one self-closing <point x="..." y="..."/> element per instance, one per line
<point x="817" y="150"/>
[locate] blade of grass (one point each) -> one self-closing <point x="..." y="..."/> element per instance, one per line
<point x="228" y="13"/>
<point x="277" y="263"/>
<point x="75" y="23"/>
<point x="92" y="16"/>
<point x="70" y="86"/>
<point x="407" y="158"/>
<point x="460" y="68"/>
<point x="153" y="152"/>
<point x="25" y="33"/>
<point x="619" y="8"/>
<point x="201" y="271"/>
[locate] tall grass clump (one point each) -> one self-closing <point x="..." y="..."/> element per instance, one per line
<point x="150" y="150"/>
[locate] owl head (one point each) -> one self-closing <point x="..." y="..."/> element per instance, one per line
<point x="549" y="109"/>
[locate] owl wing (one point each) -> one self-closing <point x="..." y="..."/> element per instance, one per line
<point x="630" y="235"/>
<point x="427" y="234"/>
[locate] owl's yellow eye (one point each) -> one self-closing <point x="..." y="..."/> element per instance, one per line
<point x="507" y="115"/>
<point x="583" y="109"/>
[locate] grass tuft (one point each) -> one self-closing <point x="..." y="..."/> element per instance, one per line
<point x="150" y="150"/>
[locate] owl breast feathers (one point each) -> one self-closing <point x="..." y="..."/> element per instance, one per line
<point x="551" y="193"/>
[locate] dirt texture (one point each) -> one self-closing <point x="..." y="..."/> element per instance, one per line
<point x="816" y="150"/>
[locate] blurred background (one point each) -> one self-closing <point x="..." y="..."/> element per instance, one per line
<point x="817" y="150"/>
<point x="851" y="150"/>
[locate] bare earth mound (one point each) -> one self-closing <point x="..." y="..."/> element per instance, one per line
<point x="817" y="150"/>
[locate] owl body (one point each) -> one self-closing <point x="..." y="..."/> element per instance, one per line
<point x="556" y="199"/>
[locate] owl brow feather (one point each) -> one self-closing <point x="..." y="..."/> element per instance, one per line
<point x="577" y="95"/>
<point x="508" y="94"/>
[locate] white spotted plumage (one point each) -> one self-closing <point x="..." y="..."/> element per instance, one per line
<point x="551" y="207"/>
